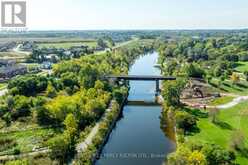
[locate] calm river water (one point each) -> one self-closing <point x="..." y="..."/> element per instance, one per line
<point x="138" y="138"/>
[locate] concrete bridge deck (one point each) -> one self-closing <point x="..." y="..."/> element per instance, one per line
<point x="141" y="77"/>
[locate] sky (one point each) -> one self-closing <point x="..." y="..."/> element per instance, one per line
<point x="136" y="14"/>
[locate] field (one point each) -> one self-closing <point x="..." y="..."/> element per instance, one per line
<point x="242" y="66"/>
<point x="12" y="55"/>
<point x="227" y="87"/>
<point x="67" y="45"/>
<point x="24" y="137"/>
<point x="229" y="121"/>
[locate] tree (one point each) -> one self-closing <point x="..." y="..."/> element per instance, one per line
<point x="195" y="71"/>
<point x="197" y="158"/>
<point x="59" y="148"/>
<point x="185" y="121"/>
<point x="10" y="103"/>
<point x="22" y="107"/>
<point x="235" y="78"/>
<point x="213" y="113"/>
<point x="180" y="157"/>
<point x="50" y="91"/>
<point x="246" y="75"/>
<point x="71" y="127"/>
<point x="172" y="92"/>
<point x="216" y="155"/>
<point x="101" y="43"/>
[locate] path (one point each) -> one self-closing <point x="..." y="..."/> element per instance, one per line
<point x="3" y="92"/>
<point x="233" y="103"/>
<point x="15" y="157"/>
<point x="88" y="141"/>
<point x="17" y="50"/>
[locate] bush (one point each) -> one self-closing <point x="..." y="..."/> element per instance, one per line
<point x="59" y="146"/>
<point x="7" y="143"/>
<point x="185" y="121"/>
<point x="217" y="155"/>
<point x="16" y="151"/>
<point x="17" y="162"/>
<point x="194" y="70"/>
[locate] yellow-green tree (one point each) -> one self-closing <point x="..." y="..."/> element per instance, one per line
<point x="235" y="78"/>
<point x="197" y="158"/>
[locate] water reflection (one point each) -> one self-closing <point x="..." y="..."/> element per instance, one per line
<point x="141" y="135"/>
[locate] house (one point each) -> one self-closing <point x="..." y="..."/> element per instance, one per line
<point x="46" y="65"/>
<point x="4" y="62"/>
<point x="8" y="72"/>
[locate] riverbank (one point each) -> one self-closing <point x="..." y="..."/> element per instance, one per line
<point x="89" y="150"/>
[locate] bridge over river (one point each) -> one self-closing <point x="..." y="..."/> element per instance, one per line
<point x="156" y="78"/>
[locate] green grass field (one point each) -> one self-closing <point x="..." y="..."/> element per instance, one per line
<point x="67" y="45"/>
<point x="227" y="87"/>
<point x="242" y="66"/>
<point x="221" y="100"/>
<point x="229" y="120"/>
<point x="3" y="85"/>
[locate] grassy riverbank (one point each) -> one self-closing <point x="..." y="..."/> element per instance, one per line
<point x="223" y="131"/>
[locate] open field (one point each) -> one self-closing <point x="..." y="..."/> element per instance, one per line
<point x="24" y="136"/>
<point x="67" y="44"/>
<point x="229" y="121"/>
<point x="242" y="66"/>
<point x="12" y="55"/>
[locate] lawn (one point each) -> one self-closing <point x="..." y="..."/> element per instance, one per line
<point x="67" y="45"/>
<point x="3" y="85"/>
<point x="221" y="100"/>
<point x="242" y="66"/>
<point x="227" y="87"/>
<point x="229" y="120"/>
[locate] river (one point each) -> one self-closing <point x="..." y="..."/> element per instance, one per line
<point x="138" y="138"/>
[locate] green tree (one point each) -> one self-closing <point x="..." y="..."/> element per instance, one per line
<point x="50" y="91"/>
<point x="59" y="147"/>
<point x="71" y="127"/>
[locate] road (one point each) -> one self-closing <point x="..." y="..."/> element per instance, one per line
<point x="17" y="50"/>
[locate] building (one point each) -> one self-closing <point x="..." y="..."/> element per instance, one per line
<point x="9" y="72"/>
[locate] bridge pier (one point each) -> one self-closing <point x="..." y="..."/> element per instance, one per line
<point x="157" y="88"/>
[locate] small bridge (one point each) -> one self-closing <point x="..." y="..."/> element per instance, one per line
<point x="142" y="78"/>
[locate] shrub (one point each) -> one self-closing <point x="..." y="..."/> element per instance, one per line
<point x="185" y="121"/>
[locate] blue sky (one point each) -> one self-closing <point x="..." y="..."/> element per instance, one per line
<point x="136" y="14"/>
